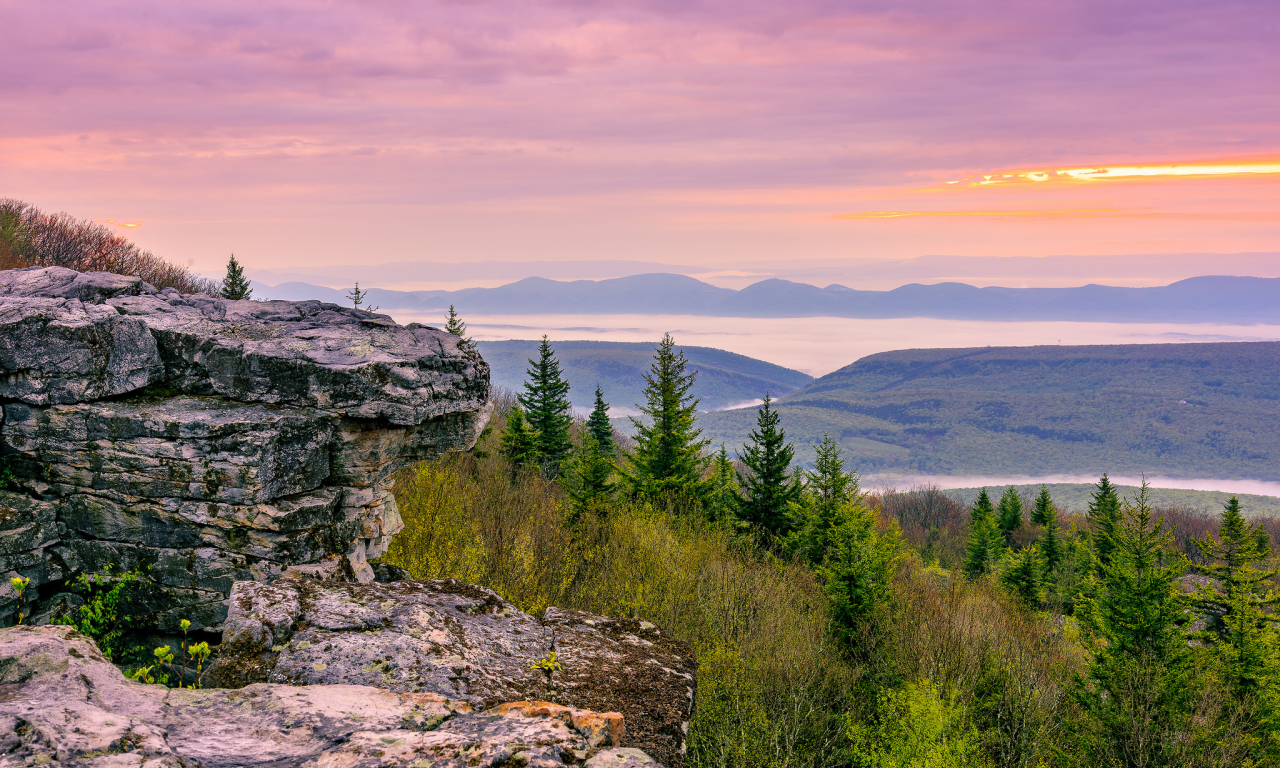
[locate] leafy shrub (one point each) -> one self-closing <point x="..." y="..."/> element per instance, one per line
<point x="100" y="617"/>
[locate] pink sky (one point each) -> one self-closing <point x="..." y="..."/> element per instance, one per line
<point x="316" y="133"/>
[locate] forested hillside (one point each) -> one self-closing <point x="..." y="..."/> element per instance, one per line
<point x="724" y="378"/>
<point x="1190" y="410"/>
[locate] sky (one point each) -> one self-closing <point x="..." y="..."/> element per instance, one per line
<point x="706" y="134"/>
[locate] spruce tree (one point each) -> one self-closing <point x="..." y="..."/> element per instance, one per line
<point x="768" y="487"/>
<point x="1009" y="513"/>
<point x="857" y="568"/>
<point x="519" y="442"/>
<point x="986" y="544"/>
<point x="598" y="424"/>
<point x="1235" y="604"/>
<point x="827" y="488"/>
<point x="358" y="297"/>
<point x="588" y="476"/>
<point x="1104" y="515"/>
<point x="453" y="324"/>
<point x="722" y="497"/>
<point x="668" y="461"/>
<point x="546" y="400"/>
<point x="1023" y="576"/>
<point x="829" y="483"/>
<point x="1043" y="507"/>
<point x="235" y="286"/>
<point x="1052" y="548"/>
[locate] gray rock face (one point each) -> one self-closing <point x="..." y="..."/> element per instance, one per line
<point x="209" y="441"/>
<point x="460" y="641"/>
<point x="62" y="703"/>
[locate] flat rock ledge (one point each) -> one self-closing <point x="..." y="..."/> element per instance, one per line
<point x="462" y="642"/>
<point x="207" y="441"/>
<point x="62" y="703"/>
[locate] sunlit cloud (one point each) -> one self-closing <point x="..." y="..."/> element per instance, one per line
<point x="1096" y="173"/>
<point x="126" y="224"/>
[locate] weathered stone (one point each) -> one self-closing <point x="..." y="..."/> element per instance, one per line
<point x="62" y="703"/>
<point x="461" y="641"/>
<point x="240" y="437"/>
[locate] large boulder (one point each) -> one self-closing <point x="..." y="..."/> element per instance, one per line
<point x="62" y="703"/>
<point x="460" y="641"/>
<point x="207" y="441"/>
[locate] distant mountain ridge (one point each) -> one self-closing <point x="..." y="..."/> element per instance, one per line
<point x="1199" y="299"/>
<point x="1178" y="410"/>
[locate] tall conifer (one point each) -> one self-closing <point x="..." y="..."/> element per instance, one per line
<point x="768" y="487"/>
<point x="1043" y="507"/>
<point x="1009" y="513"/>
<point x="986" y="544"/>
<point x="722" y="487"/>
<point x="546" y="400"/>
<point x="453" y="324"/>
<point x="1104" y="515"/>
<point x="588" y="476"/>
<point x="668" y="460"/>
<point x="519" y="442"/>
<point x="599" y="426"/>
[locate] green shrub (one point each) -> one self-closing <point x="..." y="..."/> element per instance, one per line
<point x="100" y="617"/>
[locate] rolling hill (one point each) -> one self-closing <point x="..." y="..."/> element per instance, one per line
<point x="1181" y="410"/>
<point x="724" y="379"/>
<point x="1197" y="299"/>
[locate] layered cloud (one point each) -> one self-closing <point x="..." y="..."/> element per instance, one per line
<point x="671" y="129"/>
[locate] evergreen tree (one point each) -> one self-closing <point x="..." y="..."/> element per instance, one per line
<point x="1023" y="576"/>
<point x="1235" y="604"/>
<point x="829" y="483"/>
<point x="1104" y="515"/>
<point x="1043" y="507"/>
<point x="722" y="487"/>
<point x="768" y="487"/>
<point x="827" y="488"/>
<point x="986" y="545"/>
<point x="357" y="297"/>
<point x="599" y="426"/>
<point x="1135" y="695"/>
<point x="668" y="459"/>
<point x="587" y="479"/>
<point x="519" y="441"/>
<point x="1052" y="549"/>
<point x="235" y="286"/>
<point x="453" y="324"/>
<point x="546" y="399"/>
<point x="1009" y="513"/>
<point x="858" y="565"/>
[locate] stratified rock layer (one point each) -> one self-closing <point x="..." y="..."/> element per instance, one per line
<point x="62" y="703"/>
<point x="207" y="441"/>
<point x="463" y="642"/>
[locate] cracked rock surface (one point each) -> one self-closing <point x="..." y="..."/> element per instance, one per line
<point x="206" y="441"/>
<point x="62" y="703"/>
<point x="463" y="642"/>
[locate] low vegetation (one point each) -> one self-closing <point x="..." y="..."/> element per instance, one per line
<point x="30" y="237"/>
<point x="839" y="628"/>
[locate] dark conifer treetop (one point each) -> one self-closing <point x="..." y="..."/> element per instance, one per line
<point x="234" y="285"/>
<point x="768" y="488"/>
<point x="598" y="424"/>
<point x="668" y="457"/>
<point x="453" y="324"/>
<point x="546" y="402"/>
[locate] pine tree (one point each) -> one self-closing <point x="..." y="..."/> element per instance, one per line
<point x="357" y="297"/>
<point x="1052" y="549"/>
<point x="546" y="400"/>
<point x="986" y="545"/>
<point x="1009" y="513"/>
<point x="588" y="476"/>
<point x="1235" y="604"/>
<point x="1043" y="507"/>
<point x="599" y="426"/>
<point x="722" y="497"/>
<point x="668" y="459"/>
<point x="768" y="487"/>
<point x="1023" y="576"/>
<point x="234" y="285"/>
<point x="453" y="324"/>
<point x="519" y="441"/>
<point x="826" y="489"/>
<point x="1104" y="515"/>
<point x="829" y="483"/>
<point x="857" y="567"/>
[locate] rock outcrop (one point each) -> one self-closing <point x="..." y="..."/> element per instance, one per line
<point x="208" y="441"/>
<point x="62" y="703"/>
<point x="459" y="641"/>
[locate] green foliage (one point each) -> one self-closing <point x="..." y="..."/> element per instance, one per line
<point x="547" y="664"/>
<point x="1009" y="513"/>
<point x="20" y="584"/>
<point x="722" y="497"/>
<point x="235" y="286"/>
<point x="453" y="324"/>
<point x="101" y="616"/>
<point x="1043" y="507"/>
<point x="588" y="476"/>
<point x="519" y="441"/>
<point x="1023" y="576"/>
<point x="768" y="487"/>
<point x="986" y="544"/>
<point x="667" y="461"/>
<point x="189" y="660"/>
<point x="916" y="727"/>
<point x="828" y="488"/>
<point x="859" y="562"/>
<point x="546" y="401"/>
<point x="598" y="424"/>
<point x="1104" y="515"/>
